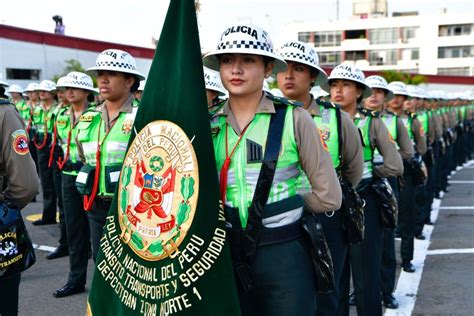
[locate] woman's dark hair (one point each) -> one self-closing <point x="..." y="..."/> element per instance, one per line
<point x="362" y="88"/>
<point x="136" y="84"/>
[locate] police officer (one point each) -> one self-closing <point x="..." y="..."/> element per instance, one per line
<point x="342" y="138"/>
<point x="214" y="90"/>
<point x="103" y="135"/>
<point x="407" y="206"/>
<point x="348" y="88"/>
<point x="16" y="96"/>
<point x="43" y="120"/>
<point x="282" y="277"/>
<point x="76" y="86"/>
<point x="380" y="95"/>
<point x="138" y="94"/>
<point x="18" y="171"/>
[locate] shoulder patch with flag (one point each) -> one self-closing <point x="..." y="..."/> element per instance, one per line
<point x="20" y="142"/>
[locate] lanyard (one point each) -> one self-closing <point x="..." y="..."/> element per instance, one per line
<point x="225" y="166"/>
<point x="89" y="200"/>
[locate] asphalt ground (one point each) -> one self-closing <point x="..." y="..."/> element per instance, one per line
<point x="444" y="284"/>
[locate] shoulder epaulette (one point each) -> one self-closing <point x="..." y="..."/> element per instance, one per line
<point x="368" y="112"/>
<point x="327" y="104"/>
<point x="412" y="115"/>
<point x="284" y="101"/>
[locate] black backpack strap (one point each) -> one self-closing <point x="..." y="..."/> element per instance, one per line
<point x="265" y="180"/>
<point x="339" y="136"/>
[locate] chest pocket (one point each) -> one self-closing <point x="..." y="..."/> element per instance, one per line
<point x="84" y="130"/>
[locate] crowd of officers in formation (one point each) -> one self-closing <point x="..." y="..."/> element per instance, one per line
<point x="355" y="128"/>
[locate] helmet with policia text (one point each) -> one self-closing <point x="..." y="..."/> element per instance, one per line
<point x="141" y="87"/>
<point x="60" y="83"/>
<point x="347" y="71"/>
<point x="14" y="88"/>
<point x="115" y="60"/>
<point x="244" y="39"/>
<point x="46" y="85"/>
<point x="212" y="81"/>
<point x="398" y="88"/>
<point x="79" y="80"/>
<point x="379" y="82"/>
<point x="302" y="53"/>
<point x="31" y="87"/>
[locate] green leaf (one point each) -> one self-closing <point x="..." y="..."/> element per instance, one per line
<point x="124" y="201"/>
<point x="183" y="212"/>
<point x="156" y="248"/>
<point x="137" y="241"/>
<point x="127" y="171"/>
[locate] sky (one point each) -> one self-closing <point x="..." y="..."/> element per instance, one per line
<point x="136" y="22"/>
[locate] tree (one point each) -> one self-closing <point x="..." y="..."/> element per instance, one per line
<point x="71" y="65"/>
<point x="413" y="79"/>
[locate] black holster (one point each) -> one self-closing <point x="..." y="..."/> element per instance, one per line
<point x="387" y="202"/>
<point x="352" y="209"/>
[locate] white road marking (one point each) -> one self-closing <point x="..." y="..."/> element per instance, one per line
<point x="456" y="208"/>
<point x="461" y="182"/>
<point x="44" y="248"/>
<point x="449" y="251"/>
<point x="408" y="283"/>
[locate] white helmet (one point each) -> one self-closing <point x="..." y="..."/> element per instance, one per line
<point x="79" y="80"/>
<point x="317" y="92"/>
<point x="141" y="87"/>
<point x="213" y="81"/>
<point x="46" y="85"/>
<point x="347" y="71"/>
<point x="302" y="53"/>
<point x="31" y="87"/>
<point x="398" y="87"/>
<point x="414" y="92"/>
<point x="115" y="60"/>
<point x="379" y="83"/>
<point x="14" y="88"/>
<point x="244" y="39"/>
<point x="2" y="82"/>
<point x="60" y="83"/>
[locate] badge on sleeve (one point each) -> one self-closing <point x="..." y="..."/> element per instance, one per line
<point x="20" y="142"/>
<point x="323" y="142"/>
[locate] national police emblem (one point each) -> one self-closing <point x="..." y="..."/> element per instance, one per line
<point x="158" y="191"/>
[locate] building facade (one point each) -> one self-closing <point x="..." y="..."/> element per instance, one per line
<point x="440" y="44"/>
<point x="31" y="56"/>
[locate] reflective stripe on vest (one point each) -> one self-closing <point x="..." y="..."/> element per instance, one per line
<point x="327" y="125"/>
<point x="114" y="147"/>
<point x="390" y="122"/>
<point x="364" y="126"/>
<point x="40" y="118"/>
<point x="243" y="171"/>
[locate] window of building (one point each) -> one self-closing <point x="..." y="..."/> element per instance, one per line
<point x="455" y="71"/>
<point x="355" y="34"/>
<point x="329" y="59"/>
<point x="455" y="29"/>
<point x="325" y="39"/>
<point x="383" y="57"/>
<point x="456" y="52"/>
<point x="383" y="36"/>
<point x="355" y="55"/>
<point x="408" y="33"/>
<point x="23" y="74"/>
<point x="304" y="36"/>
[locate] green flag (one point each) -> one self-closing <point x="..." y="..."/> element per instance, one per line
<point x="163" y="250"/>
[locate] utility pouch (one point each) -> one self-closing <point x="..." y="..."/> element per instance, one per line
<point x="352" y="209"/>
<point x="387" y="202"/>
<point x="320" y="254"/>
<point x="85" y="180"/>
<point x="112" y="176"/>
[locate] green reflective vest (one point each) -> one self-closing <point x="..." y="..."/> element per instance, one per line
<point x="44" y="119"/>
<point x="66" y="135"/>
<point x="364" y="126"/>
<point x="407" y="121"/>
<point x="328" y="126"/>
<point x="424" y="120"/>
<point x="91" y="131"/>
<point x="390" y="121"/>
<point x="245" y="168"/>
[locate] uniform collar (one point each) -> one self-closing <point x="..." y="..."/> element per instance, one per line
<point x="313" y="107"/>
<point x="126" y="106"/>
<point x="264" y="106"/>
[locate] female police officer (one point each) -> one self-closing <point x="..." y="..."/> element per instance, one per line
<point x="278" y="277"/>
<point x="342" y="138"/>
<point x="103" y="135"/>
<point x="347" y="88"/>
